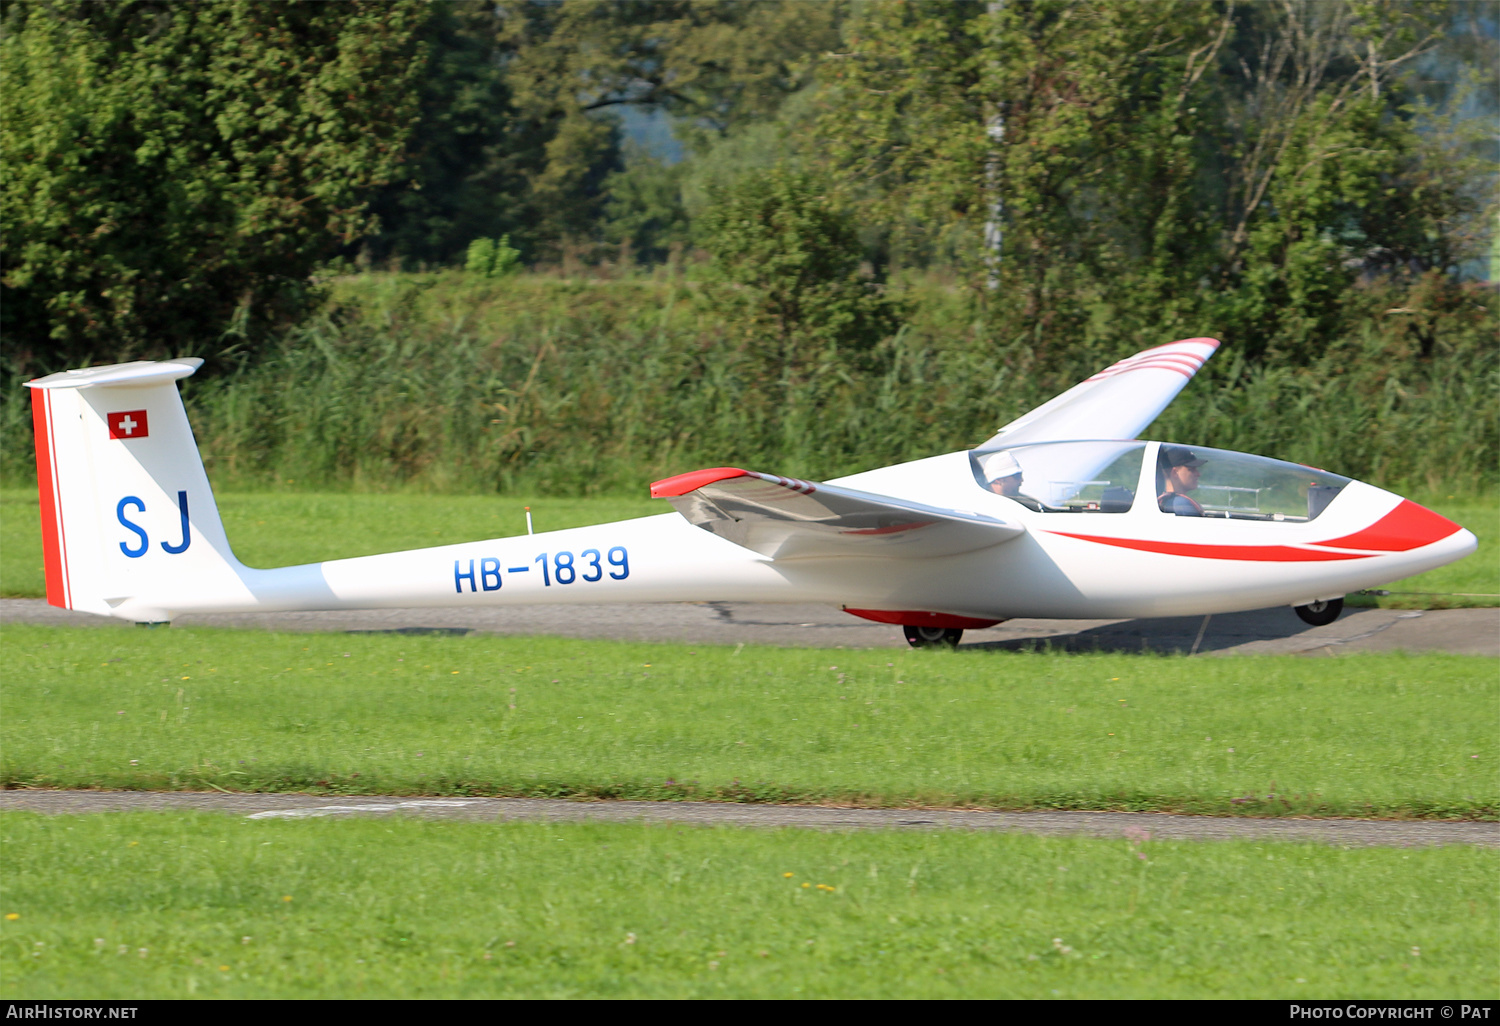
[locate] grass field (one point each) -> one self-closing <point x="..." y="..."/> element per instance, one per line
<point x="154" y="905"/>
<point x="146" y="905"/>
<point x="281" y="529"/>
<point x="1385" y="735"/>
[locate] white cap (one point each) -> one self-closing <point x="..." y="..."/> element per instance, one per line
<point x="1000" y="464"/>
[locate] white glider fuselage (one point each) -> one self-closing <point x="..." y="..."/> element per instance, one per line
<point x="1044" y="573"/>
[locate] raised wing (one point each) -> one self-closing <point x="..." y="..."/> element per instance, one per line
<point x="787" y="519"/>
<point x="1118" y="402"/>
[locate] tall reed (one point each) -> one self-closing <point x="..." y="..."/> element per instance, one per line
<point x="447" y="384"/>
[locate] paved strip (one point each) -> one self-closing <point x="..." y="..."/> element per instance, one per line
<point x="1346" y="832"/>
<point x="1262" y="631"/>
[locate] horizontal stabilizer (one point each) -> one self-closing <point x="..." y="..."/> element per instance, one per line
<point x="138" y="374"/>
<point x="785" y="518"/>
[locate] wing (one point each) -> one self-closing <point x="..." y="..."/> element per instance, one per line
<point x="787" y="519"/>
<point x="1118" y="402"/>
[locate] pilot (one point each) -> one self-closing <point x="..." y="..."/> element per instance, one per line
<point x="1005" y="475"/>
<point x="1177" y="472"/>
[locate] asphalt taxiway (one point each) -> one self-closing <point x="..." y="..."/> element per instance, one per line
<point x="1135" y="825"/>
<point x="1275" y="631"/>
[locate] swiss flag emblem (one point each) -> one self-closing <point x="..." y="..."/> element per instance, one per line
<point x="130" y="424"/>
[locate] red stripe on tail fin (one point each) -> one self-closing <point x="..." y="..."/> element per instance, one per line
<point x="46" y="486"/>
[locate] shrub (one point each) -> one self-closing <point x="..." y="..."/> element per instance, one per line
<point x="492" y="258"/>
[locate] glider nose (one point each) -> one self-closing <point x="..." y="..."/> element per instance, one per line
<point x="1461" y="543"/>
<point x="1407" y="528"/>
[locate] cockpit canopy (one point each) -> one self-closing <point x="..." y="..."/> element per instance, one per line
<point x="1064" y="477"/>
<point x="1104" y="477"/>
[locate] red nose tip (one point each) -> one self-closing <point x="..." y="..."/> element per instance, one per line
<point x="1406" y="527"/>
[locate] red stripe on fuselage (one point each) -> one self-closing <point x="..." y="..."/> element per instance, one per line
<point x="1247" y="553"/>
<point x="1404" y="528"/>
<point x="53" y="564"/>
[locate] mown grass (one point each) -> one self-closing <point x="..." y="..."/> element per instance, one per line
<point x="1366" y="735"/>
<point x="283" y="528"/>
<point x="144" y="905"/>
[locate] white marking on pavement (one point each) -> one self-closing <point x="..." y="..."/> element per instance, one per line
<point x="335" y="810"/>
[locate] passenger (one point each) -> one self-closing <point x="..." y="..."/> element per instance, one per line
<point x="1005" y="475"/>
<point x="1177" y="474"/>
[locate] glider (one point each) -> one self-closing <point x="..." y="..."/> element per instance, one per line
<point x="1063" y="513"/>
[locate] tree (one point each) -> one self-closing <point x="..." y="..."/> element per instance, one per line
<point x="903" y="121"/>
<point x="714" y="66"/>
<point x="644" y="210"/>
<point x="172" y="167"/>
<point x="791" y="258"/>
<point x="468" y="159"/>
<point x="1095" y="98"/>
<point x="1165" y="167"/>
<point x="516" y="132"/>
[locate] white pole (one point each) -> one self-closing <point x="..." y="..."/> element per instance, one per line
<point x="994" y="130"/>
<point x="528" y="520"/>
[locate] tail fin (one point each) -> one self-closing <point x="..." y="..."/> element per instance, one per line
<point x="127" y="513"/>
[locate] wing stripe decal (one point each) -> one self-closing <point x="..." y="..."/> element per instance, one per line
<point x="1183" y="364"/>
<point x="1247" y="553"/>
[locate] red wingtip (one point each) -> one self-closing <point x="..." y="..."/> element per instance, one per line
<point x="692" y="481"/>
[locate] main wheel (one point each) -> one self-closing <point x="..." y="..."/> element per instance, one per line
<point x="929" y="637"/>
<point x="1322" y="612"/>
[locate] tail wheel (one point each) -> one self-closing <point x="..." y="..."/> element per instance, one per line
<point x="1322" y="612"/>
<point x="932" y="637"/>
